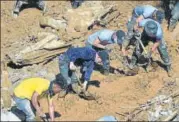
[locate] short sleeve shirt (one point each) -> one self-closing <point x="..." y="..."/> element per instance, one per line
<point x="27" y="87"/>
<point x="105" y="36"/>
<point x="159" y="34"/>
<point x="146" y="11"/>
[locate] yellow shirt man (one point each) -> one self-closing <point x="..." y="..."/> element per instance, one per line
<point x="26" y="94"/>
<point x="27" y="87"/>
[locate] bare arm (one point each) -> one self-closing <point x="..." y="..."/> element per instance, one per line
<point x="97" y="44"/>
<point x="154" y="47"/>
<point x="51" y="108"/>
<point x="35" y="104"/>
<point x="140" y="18"/>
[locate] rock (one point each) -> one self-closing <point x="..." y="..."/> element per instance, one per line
<point x="177" y="81"/>
<point x="55" y="24"/>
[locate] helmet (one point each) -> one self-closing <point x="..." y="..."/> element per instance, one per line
<point x="160" y="15"/>
<point x="151" y="28"/>
<point x="120" y="36"/>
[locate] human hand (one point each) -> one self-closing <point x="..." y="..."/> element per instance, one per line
<point x="72" y="66"/>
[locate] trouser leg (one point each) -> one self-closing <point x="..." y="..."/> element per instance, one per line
<point x="41" y="4"/>
<point x="25" y="106"/>
<point x="164" y="55"/>
<point x="64" y="68"/>
<point x="174" y="17"/>
<point x="18" y="6"/>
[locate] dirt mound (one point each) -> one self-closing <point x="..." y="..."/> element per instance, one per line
<point x="117" y="93"/>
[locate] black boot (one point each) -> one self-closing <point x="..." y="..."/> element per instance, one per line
<point x="169" y="70"/>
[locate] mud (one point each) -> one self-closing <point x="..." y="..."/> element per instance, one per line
<point x="117" y="93"/>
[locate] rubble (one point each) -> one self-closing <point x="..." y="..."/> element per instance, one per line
<point x="44" y="50"/>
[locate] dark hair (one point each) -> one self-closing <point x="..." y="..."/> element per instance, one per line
<point x="160" y="15"/>
<point x="120" y="36"/>
<point x="60" y="80"/>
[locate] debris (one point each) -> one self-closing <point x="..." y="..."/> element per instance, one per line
<point x="173" y="115"/>
<point x="44" y="50"/>
<point x="55" y="24"/>
<point x="5" y="87"/>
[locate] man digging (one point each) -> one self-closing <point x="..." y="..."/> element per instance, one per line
<point x="27" y="92"/>
<point x="101" y="40"/>
<point x="152" y="32"/>
<point x="84" y="57"/>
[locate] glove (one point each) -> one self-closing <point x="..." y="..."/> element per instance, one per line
<point x="72" y="66"/>
<point x="44" y="118"/>
<point x="148" y="55"/>
<point x="85" y="85"/>
<point x="137" y="34"/>
<point x="108" y="48"/>
<point x="125" y="59"/>
<point x="171" y="6"/>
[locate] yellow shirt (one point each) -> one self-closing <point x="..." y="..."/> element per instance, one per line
<point x="27" y="87"/>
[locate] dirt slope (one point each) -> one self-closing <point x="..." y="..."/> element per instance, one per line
<point x="117" y="93"/>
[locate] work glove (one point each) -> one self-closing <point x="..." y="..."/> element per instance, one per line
<point x="171" y="6"/>
<point x="125" y="60"/>
<point x="72" y="66"/>
<point x="148" y="55"/>
<point x="84" y="87"/>
<point x="137" y="34"/>
<point x="108" y="48"/>
<point x="44" y="118"/>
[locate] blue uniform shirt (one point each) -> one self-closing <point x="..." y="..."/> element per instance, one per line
<point x="86" y="54"/>
<point x="146" y="11"/>
<point x="105" y="36"/>
<point x="159" y="34"/>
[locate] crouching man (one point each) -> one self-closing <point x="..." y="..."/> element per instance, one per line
<point x="27" y="92"/>
<point x="85" y="57"/>
<point x="151" y="31"/>
<point x="101" y="40"/>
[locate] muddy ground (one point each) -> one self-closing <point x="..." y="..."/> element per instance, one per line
<point x="117" y="93"/>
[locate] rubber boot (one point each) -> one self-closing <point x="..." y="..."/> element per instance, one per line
<point x="106" y="72"/>
<point x="169" y="70"/>
<point x="17" y="8"/>
<point x="133" y="62"/>
<point x="172" y="25"/>
<point x="62" y="94"/>
<point x="76" y="88"/>
<point x="42" y="5"/>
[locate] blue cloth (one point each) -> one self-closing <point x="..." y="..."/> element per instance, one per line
<point x="159" y="34"/>
<point x="105" y="37"/>
<point x="107" y="118"/>
<point x="146" y="11"/>
<point x="25" y="106"/>
<point x="87" y="55"/>
<point x="84" y="53"/>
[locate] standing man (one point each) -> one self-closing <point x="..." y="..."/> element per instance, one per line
<point x="174" y="7"/>
<point x="85" y="57"/>
<point x="140" y="13"/>
<point x="100" y="40"/>
<point x="152" y="31"/>
<point x="27" y="92"/>
<point x="19" y="4"/>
